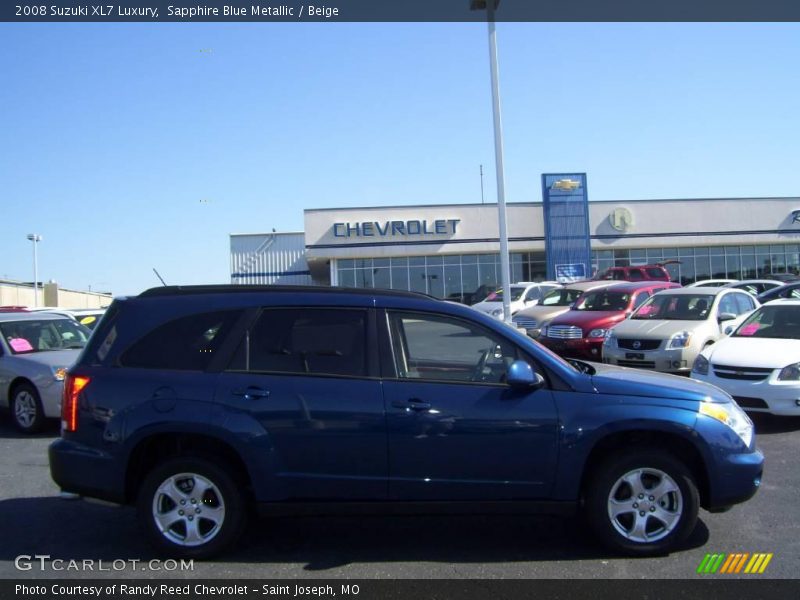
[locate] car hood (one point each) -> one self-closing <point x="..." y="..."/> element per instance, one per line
<point x="609" y="379"/>
<point x="754" y="352"/>
<point x="655" y="329"/>
<point x="542" y="313"/>
<point x="51" y="358"/>
<point x="589" y="318"/>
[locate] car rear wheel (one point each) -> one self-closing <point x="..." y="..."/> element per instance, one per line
<point x="26" y="409"/>
<point x="191" y="508"/>
<point x="642" y="502"/>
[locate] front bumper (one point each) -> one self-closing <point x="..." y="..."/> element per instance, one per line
<point x="673" y="360"/>
<point x="769" y="395"/>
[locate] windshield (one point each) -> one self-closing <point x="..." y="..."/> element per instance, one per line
<point x="561" y="297"/>
<point x="516" y="294"/>
<point x="674" y="307"/>
<point x="603" y="300"/>
<point x="24" y="337"/>
<point x="772" y="322"/>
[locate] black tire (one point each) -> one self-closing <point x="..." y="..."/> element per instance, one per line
<point x="27" y="396"/>
<point x="214" y="533"/>
<point x="620" y="533"/>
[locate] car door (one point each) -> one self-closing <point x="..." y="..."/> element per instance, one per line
<point x="307" y="376"/>
<point x="456" y="431"/>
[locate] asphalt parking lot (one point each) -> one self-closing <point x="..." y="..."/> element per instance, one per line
<point x="35" y="521"/>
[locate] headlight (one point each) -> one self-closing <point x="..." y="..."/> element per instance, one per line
<point x="597" y="333"/>
<point x="733" y="416"/>
<point x="680" y="340"/>
<point x="700" y="365"/>
<point x="790" y="373"/>
<point x="59" y="373"/>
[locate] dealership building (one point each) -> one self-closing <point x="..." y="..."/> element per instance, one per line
<point x="449" y="249"/>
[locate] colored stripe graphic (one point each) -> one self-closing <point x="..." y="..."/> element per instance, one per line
<point x="731" y="564"/>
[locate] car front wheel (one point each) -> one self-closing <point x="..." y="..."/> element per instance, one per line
<point x="26" y="409"/>
<point x="191" y="508"/>
<point x="642" y="502"/>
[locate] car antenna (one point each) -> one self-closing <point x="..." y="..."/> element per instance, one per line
<point x="159" y="276"/>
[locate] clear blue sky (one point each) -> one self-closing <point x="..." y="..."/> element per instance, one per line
<point x="137" y="146"/>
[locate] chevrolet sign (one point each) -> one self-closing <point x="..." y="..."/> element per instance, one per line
<point x="566" y="185"/>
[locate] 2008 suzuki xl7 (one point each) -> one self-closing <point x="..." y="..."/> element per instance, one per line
<point x="195" y="403"/>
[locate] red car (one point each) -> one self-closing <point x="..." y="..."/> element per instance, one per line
<point x="579" y="332"/>
<point x="656" y="272"/>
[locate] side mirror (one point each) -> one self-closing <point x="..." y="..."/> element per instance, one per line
<point x="521" y="375"/>
<point x="728" y="330"/>
<point x="726" y="317"/>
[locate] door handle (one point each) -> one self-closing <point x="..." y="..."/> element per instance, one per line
<point x="252" y="393"/>
<point x="411" y="404"/>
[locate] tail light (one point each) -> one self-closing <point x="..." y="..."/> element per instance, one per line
<point x="69" y="404"/>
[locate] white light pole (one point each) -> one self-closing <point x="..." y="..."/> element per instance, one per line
<point x="490" y="6"/>
<point x="35" y="238"/>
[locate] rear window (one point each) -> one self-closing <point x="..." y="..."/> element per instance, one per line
<point x="187" y="344"/>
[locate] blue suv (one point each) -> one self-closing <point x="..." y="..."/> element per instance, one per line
<point x="200" y="403"/>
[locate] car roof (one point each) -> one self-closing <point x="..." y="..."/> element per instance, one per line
<point x="783" y="302"/>
<point x="31" y="316"/>
<point x="191" y="290"/>
<point x="591" y="284"/>
<point x="635" y="286"/>
<point x="698" y="291"/>
<point x="749" y="281"/>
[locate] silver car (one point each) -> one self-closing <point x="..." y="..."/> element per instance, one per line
<point x="667" y="332"/>
<point x="35" y="351"/>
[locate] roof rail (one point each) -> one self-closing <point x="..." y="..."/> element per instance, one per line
<point x="189" y="290"/>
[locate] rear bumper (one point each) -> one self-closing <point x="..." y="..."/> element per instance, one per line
<point x="86" y="471"/>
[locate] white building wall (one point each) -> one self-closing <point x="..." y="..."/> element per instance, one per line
<point x="269" y="258"/>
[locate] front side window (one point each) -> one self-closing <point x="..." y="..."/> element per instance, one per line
<point x="25" y="337"/>
<point x="313" y="341"/>
<point x="728" y="305"/>
<point x="745" y="303"/>
<point x="438" y="348"/>
<point x="561" y="297"/>
<point x="186" y="344"/>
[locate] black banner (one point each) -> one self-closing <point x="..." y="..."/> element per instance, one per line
<point x="440" y="589"/>
<point x="399" y="10"/>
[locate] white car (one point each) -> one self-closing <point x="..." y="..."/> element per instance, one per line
<point x="759" y="363"/>
<point x="523" y="295"/>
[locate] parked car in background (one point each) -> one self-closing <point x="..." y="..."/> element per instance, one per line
<point x="580" y="331"/>
<point x="523" y="295"/>
<point x="554" y="303"/>
<point x="36" y="348"/>
<point x="788" y="290"/>
<point x="205" y="405"/>
<point x="655" y="272"/>
<point x="712" y="282"/>
<point x="759" y="363"/>
<point x="755" y="286"/>
<point x="87" y="317"/>
<point x="667" y="332"/>
<point x="785" y="277"/>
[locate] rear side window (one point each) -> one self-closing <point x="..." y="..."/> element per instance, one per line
<point x="317" y="341"/>
<point x="654" y="273"/>
<point x="186" y="344"/>
<point x="635" y="275"/>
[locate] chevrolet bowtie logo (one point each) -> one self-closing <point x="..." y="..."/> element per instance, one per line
<point x="566" y="184"/>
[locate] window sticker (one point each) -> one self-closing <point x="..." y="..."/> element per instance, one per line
<point x="749" y="329"/>
<point x="20" y="345"/>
